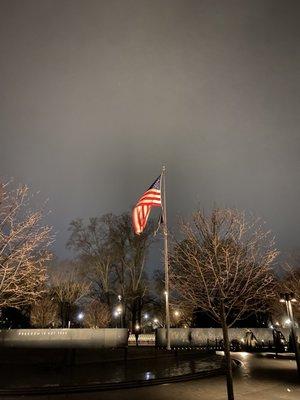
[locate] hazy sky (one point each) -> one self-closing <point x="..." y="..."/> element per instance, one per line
<point x="96" y="95"/>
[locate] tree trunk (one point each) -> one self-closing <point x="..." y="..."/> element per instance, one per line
<point x="133" y="317"/>
<point x="124" y="325"/>
<point x="107" y="296"/>
<point x="65" y="314"/>
<point x="139" y="312"/>
<point x="229" y="377"/>
<point x="61" y="314"/>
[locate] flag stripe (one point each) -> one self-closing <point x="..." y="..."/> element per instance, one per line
<point x="141" y="211"/>
<point x="150" y="196"/>
<point x="149" y="200"/>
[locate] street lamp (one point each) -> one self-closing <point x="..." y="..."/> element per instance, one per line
<point x="80" y="316"/>
<point x="176" y="314"/>
<point x="118" y="313"/>
<point x="120" y="309"/>
<point x="288" y="298"/>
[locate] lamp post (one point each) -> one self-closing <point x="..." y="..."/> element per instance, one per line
<point x="121" y="309"/>
<point x="288" y="298"/>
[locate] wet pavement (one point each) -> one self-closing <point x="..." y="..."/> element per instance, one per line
<point x="259" y="378"/>
<point x="147" y="369"/>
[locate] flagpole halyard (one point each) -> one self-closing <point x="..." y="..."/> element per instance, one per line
<point x="166" y="258"/>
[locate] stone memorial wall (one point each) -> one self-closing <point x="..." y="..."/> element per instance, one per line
<point x="64" y="338"/>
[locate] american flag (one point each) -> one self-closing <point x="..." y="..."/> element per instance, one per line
<point x="140" y="213"/>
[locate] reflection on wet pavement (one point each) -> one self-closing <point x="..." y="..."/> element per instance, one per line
<point x="110" y="372"/>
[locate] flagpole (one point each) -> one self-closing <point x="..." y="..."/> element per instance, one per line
<point x="166" y="260"/>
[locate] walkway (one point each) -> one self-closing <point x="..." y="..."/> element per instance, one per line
<point x="259" y="378"/>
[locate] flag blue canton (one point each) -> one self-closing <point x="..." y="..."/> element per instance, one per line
<point x="155" y="184"/>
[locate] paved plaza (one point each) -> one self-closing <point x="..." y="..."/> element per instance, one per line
<point x="258" y="378"/>
<point x="143" y="365"/>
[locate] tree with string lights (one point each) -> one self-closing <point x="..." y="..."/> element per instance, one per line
<point x="223" y="265"/>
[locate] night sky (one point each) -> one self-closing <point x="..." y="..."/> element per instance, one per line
<point x="96" y="95"/>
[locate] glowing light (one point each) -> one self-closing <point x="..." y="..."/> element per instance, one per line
<point x="80" y="316"/>
<point x="244" y="354"/>
<point x="149" y="375"/>
<point x="176" y="313"/>
<point x="287" y="321"/>
<point x="146" y="316"/>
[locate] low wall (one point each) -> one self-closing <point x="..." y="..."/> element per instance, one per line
<point x="194" y="337"/>
<point x="63" y="338"/>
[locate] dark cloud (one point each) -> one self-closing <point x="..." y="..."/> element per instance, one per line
<point x="96" y="95"/>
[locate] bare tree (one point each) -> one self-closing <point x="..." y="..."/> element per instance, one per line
<point x="291" y="280"/>
<point x="223" y="267"/>
<point x="44" y="313"/>
<point x="90" y="242"/>
<point x="289" y="283"/>
<point x="97" y="315"/>
<point x="67" y="290"/>
<point x="130" y="252"/>
<point x="113" y="260"/>
<point x="181" y="314"/>
<point x="23" y="249"/>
